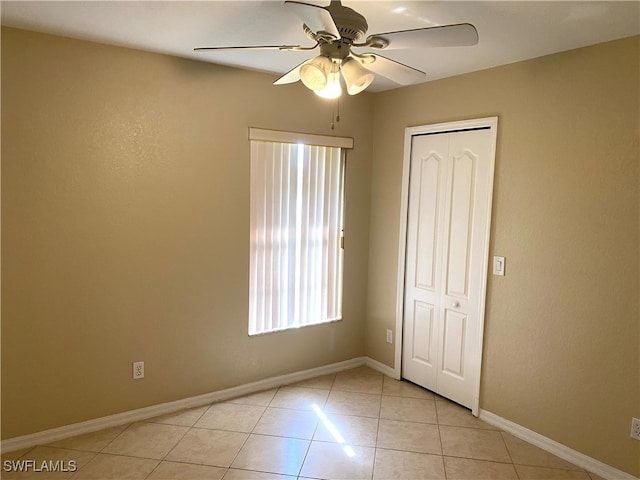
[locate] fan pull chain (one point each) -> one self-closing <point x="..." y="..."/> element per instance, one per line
<point x="334" y="116"/>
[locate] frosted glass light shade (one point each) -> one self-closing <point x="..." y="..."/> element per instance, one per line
<point x="356" y="77"/>
<point x="333" y="88"/>
<point x="315" y="73"/>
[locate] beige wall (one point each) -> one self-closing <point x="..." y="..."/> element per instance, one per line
<point x="562" y="327"/>
<point x="125" y="228"/>
<point x="125" y="233"/>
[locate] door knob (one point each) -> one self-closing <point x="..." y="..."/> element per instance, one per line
<point x="456" y="304"/>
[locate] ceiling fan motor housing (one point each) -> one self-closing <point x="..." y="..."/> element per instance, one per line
<point x="351" y="25"/>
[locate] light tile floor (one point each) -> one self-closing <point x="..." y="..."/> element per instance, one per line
<point x="356" y="424"/>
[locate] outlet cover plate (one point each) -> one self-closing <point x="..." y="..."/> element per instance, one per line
<point x="138" y="370"/>
<point x="635" y="428"/>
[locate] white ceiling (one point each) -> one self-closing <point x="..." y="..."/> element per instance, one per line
<point x="509" y="31"/>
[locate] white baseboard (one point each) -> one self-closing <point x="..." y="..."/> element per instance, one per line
<point x="381" y="367"/>
<point x="579" y="459"/>
<point x="60" y="433"/>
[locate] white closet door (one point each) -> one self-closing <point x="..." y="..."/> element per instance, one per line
<point x="448" y="215"/>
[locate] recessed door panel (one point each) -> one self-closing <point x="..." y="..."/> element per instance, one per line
<point x="453" y="343"/>
<point x="423" y="333"/>
<point x="460" y="216"/>
<point x="427" y="221"/>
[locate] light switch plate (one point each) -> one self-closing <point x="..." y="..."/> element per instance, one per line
<point x="498" y="266"/>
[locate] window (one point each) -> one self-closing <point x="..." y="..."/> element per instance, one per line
<point x="297" y="190"/>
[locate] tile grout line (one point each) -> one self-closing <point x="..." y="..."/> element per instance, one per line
<point x="444" y="465"/>
<point x="100" y="452"/>
<point x="181" y="438"/>
<point x="251" y="432"/>
<point x="509" y="453"/>
<point x="375" y="451"/>
<point x="324" y="406"/>
<point x="502" y="433"/>
<point x="171" y="449"/>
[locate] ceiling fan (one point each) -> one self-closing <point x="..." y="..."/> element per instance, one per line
<point x="336" y="31"/>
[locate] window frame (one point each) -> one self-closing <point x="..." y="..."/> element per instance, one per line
<point x="259" y="324"/>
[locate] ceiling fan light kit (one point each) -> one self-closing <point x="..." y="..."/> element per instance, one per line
<point x="356" y="77"/>
<point x="333" y="88"/>
<point x="315" y="73"/>
<point x="321" y="75"/>
<point x="336" y="29"/>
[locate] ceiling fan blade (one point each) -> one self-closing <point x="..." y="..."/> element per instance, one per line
<point x="459" y="35"/>
<point x="395" y="71"/>
<point x="248" y="47"/>
<point x="318" y="19"/>
<point x="291" y="76"/>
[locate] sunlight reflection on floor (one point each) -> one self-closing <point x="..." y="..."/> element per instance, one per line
<point x="333" y="430"/>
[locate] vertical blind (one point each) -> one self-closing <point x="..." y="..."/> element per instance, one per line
<point x="296" y="228"/>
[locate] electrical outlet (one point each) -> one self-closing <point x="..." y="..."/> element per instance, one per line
<point x="138" y="370"/>
<point x="635" y="428"/>
<point x="389" y="336"/>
